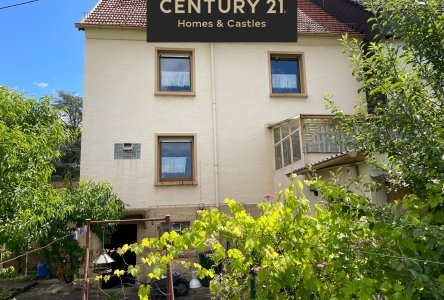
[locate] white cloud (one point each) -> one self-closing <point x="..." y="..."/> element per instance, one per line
<point x="41" y="84"/>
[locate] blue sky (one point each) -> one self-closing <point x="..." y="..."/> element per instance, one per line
<point x="40" y="49"/>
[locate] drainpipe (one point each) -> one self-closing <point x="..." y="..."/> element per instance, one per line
<point x="213" y="100"/>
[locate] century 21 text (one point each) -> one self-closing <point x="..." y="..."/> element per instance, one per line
<point x="222" y="6"/>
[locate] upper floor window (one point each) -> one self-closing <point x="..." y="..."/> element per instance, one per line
<point x="287" y="77"/>
<point x="175" y="72"/>
<point x="176" y="159"/>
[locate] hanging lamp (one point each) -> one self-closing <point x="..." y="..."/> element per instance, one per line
<point x="102" y="264"/>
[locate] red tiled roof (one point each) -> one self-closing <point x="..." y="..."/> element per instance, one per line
<point x="132" y="13"/>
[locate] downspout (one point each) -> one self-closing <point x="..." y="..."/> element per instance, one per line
<point x="215" y="153"/>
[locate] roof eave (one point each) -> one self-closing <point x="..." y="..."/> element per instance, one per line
<point x="83" y="26"/>
<point x="348" y="158"/>
<point x="302" y="116"/>
<point x="326" y="34"/>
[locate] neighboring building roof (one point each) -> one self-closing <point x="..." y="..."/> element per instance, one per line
<point x="132" y="14"/>
<point x="350" y="11"/>
<point x="363" y="3"/>
<point x="337" y="160"/>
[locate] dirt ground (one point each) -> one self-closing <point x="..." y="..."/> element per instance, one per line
<point x="56" y="289"/>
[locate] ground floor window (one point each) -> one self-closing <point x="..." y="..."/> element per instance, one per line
<point x="176" y="158"/>
<point x="176" y="226"/>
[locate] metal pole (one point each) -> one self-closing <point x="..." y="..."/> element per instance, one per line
<point x="170" y="287"/>
<point x="26" y="265"/>
<point x="85" y="277"/>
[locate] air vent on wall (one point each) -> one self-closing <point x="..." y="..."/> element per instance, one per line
<point x="127" y="147"/>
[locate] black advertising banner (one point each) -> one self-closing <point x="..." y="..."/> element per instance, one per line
<point x="221" y="20"/>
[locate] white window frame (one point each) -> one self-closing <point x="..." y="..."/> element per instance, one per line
<point x="283" y="138"/>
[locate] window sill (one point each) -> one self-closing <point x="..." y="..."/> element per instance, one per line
<point x="162" y="93"/>
<point x="288" y="95"/>
<point x="178" y="182"/>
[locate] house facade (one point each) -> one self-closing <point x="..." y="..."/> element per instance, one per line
<point x="177" y="127"/>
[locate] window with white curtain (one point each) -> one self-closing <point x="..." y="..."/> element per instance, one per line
<point x="286" y="74"/>
<point x="175" y="161"/>
<point x="174" y="71"/>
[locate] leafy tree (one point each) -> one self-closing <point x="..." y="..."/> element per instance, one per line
<point x="288" y="252"/>
<point x="403" y="73"/>
<point x="71" y="107"/>
<point x="31" y="134"/>
<point x="71" y="112"/>
<point x="8" y="271"/>
<point x="31" y="210"/>
<point x="89" y="200"/>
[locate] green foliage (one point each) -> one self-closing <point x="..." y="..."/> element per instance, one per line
<point x="405" y="251"/>
<point x="345" y="249"/>
<point x="8" y="293"/>
<point x="6" y="272"/>
<point x="71" y="110"/>
<point x="31" y="134"/>
<point x="144" y="292"/>
<point x="92" y="200"/>
<point x="71" y="113"/>
<point x="89" y="200"/>
<point x="402" y="74"/>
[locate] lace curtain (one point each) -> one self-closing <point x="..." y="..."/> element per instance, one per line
<point x="175" y="79"/>
<point x="284" y="81"/>
<point x="174" y="165"/>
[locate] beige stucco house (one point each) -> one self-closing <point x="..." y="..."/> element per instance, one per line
<point x="177" y="127"/>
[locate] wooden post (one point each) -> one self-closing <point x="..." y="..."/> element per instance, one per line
<point x="85" y="277"/>
<point x="170" y="284"/>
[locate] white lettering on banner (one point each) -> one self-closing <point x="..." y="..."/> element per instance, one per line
<point x="222" y="6"/>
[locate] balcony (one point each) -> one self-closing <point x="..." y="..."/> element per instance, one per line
<point x="305" y="139"/>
